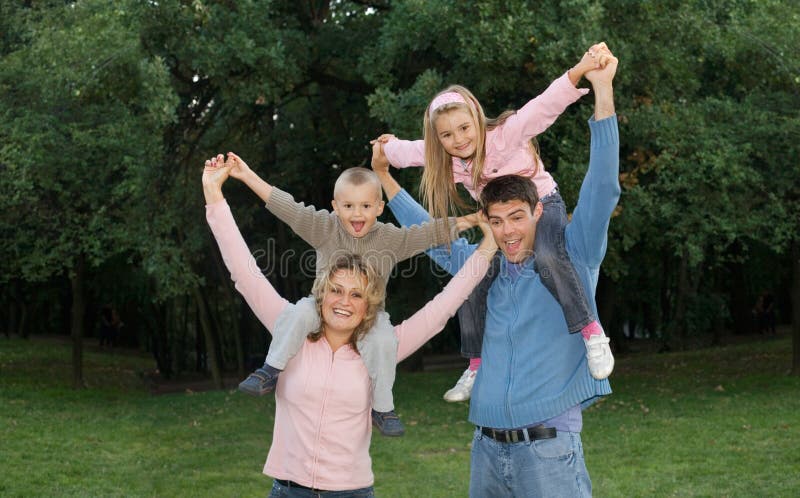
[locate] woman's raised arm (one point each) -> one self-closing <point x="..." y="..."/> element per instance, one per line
<point x="249" y="280"/>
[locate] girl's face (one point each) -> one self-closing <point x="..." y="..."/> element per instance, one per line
<point x="344" y="304"/>
<point x="457" y="133"/>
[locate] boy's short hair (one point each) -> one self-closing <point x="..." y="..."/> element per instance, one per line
<point x="509" y="188"/>
<point x="357" y="176"/>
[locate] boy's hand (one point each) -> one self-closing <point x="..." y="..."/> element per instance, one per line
<point x="238" y="168"/>
<point x="380" y="163"/>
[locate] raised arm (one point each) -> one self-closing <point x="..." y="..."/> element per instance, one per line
<point x="432" y="318"/>
<point x="542" y="111"/>
<point x="408" y="212"/>
<point x="587" y="233"/>
<point x="313" y="226"/>
<point x="405" y="153"/>
<point x="259" y="294"/>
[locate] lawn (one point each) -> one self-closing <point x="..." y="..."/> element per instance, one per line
<point x="713" y="422"/>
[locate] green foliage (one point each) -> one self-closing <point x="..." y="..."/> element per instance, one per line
<point x="108" y="110"/>
<point x="79" y="101"/>
<point x="713" y="422"/>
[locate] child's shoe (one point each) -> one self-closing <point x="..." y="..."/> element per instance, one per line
<point x="260" y="382"/>
<point x="463" y="388"/>
<point x="598" y="354"/>
<point x="388" y="423"/>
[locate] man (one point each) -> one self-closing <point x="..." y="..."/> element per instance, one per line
<point x="534" y="381"/>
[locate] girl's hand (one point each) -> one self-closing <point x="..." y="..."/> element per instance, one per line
<point x="380" y="163"/>
<point x="238" y="168"/>
<point x="383" y="138"/>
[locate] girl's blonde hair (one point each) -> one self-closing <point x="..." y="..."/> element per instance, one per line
<point x="374" y="293"/>
<point x="438" y="190"/>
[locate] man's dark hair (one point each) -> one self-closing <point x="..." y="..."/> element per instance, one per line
<point x="509" y="188"/>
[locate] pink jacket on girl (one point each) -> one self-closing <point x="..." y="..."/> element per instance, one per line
<point x="507" y="146"/>
<point x="323" y="426"/>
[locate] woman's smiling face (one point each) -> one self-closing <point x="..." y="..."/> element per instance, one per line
<point x="344" y="304"/>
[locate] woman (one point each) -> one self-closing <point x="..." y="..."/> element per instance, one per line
<point x="323" y="426"/>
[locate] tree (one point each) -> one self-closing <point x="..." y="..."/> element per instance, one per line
<point x="79" y="103"/>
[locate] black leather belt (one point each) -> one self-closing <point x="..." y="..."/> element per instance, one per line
<point x="515" y="436"/>
<point x="292" y="484"/>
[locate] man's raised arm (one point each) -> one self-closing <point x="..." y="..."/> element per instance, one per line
<point x="587" y="233"/>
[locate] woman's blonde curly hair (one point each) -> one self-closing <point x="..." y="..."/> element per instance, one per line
<point x="374" y="293"/>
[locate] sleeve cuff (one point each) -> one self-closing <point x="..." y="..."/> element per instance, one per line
<point x="218" y="205"/>
<point x="576" y="92"/>
<point x="604" y="132"/>
<point x="402" y="202"/>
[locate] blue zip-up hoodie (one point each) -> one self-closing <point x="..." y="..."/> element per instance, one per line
<point x="532" y="369"/>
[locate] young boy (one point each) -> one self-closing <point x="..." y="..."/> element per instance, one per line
<point x="351" y="228"/>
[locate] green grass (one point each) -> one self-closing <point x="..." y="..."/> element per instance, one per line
<point x="714" y="422"/>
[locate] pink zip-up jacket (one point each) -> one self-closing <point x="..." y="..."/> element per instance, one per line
<point x="507" y="149"/>
<point x="322" y="412"/>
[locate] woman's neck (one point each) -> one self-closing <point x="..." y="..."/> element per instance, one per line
<point x="337" y="338"/>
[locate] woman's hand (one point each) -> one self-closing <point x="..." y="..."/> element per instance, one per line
<point x="488" y="245"/>
<point x="468" y="221"/>
<point x="214" y="175"/>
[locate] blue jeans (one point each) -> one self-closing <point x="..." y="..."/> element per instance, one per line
<point x="281" y="491"/>
<point x="555" y="270"/>
<point x="541" y="469"/>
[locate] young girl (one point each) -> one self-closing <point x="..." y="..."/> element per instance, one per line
<point x="462" y="146"/>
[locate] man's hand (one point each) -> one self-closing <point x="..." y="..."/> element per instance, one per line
<point x="607" y="66"/>
<point x="601" y="80"/>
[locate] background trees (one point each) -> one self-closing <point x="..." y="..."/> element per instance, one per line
<point x="108" y="111"/>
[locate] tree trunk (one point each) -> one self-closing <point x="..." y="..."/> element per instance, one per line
<point x="11" y="323"/>
<point x="606" y="300"/>
<point x="678" y="323"/>
<point x="157" y="325"/>
<point x="232" y="309"/>
<point x="78" y="309"/>
<point x="665" y="310"/>
<point x="22" y="329"/>
<point x="208" y="335"/>
<point x="796" y="308"/>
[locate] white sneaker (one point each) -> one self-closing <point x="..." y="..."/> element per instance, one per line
<point x="463" y="388"/>
<point x="598" y="353"/>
